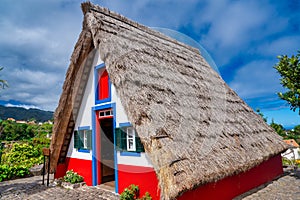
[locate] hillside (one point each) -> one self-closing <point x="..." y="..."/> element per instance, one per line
<point x="25" y="114"/>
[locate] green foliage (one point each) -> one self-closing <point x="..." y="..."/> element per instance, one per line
<point x="146" y="196"/>
<point x="24" y="154"/>
<point x="287" y="134"/>
<point x="292" y="134"/>
<point x="261" y="114"/>
<point x="43" y="141"/>
<point x="289" y="70"/>
<point x="278" y="128"/>
<point x="132" y="192"/>
<point x="12" y="131"/>
<point x="286" y="162"/>
<point x="8" y="172"/>
<point x="297" y="130"/>
<point x="290" y="162"/>
<point x="72" y="177"/>
<point x="18" y="158"/>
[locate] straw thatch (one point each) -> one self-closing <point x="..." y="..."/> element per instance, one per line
<point x="195" y="129"/>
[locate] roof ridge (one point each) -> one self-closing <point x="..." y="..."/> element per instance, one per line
<point x="90" y="7"/>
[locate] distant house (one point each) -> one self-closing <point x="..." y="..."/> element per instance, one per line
<point x="11" y="119"/>
<point x="48" y="122"/>
<point x="294" y="151"/>
<point x="21" y="122"/>
<point x="32" y="122"/>
<point x="138" y="107"/>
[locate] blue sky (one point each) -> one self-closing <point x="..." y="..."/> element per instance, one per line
<point x="243" y="38"/>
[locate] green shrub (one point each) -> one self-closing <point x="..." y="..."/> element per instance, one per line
<point x="9" y="172"/>
<point x="130" y="193"/>
<point x="73" y="177"/>
<point x="146" y="196"/>
<point x="17" y="159"/>
<point x="41" y="141"/>
<point x="133" y="192"/>
<point x="23" y="154"/>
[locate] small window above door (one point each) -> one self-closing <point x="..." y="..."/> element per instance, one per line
<point x="105" y="113"/>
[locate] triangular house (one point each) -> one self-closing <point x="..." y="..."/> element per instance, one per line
<point x="138" y="107"/>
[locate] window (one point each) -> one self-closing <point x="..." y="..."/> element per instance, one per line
<point x="102" y="85"/>
<point x="130" y="138"/>
<point x="127" y="140"/>
<point x="83" y="139"/>
<point x="105" y="113"/>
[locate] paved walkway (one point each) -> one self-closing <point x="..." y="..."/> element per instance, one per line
<point x="32" y="189"/>
<point x="286" y="187"/>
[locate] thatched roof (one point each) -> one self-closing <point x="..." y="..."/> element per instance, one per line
<point x="194" y="128"/>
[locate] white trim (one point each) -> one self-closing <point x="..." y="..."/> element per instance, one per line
<point x="142" y="161"/>
<point x="130" y="139"/>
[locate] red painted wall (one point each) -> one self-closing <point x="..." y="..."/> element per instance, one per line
<point x="82" y="167"/>
<point x="233" y="186"/>
<point x="61" y="170"/>
<point x="103" y="87"/>
<point x="144" y="177"/>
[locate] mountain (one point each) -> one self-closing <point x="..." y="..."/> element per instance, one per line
<point x="19" y="113"/>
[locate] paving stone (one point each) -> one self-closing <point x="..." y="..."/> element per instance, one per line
<point x="32" y="189"/>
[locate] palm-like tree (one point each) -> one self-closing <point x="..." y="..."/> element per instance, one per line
<point x="3" y="83"/>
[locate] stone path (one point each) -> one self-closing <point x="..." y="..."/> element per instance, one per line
<point x="32" y="189"/>
<point x="286" y="187"/>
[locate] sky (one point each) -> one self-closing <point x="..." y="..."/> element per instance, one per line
<point x="243" y="38"/>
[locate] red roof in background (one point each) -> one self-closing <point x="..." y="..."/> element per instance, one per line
<point x="291" y="142"/>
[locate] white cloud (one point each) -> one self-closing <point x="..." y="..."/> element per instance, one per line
<point x="35" y="48"/>
<point x="39" y="88"/>
<point x="36" y="43"/>
<point x="285" y="45"/>
<point x="238" y="27"/>
<point x="255" y="79"/>
<point x="21" y="106"/>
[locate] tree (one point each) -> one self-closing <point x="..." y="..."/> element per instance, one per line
<point x="278" y="128"/>
<point x="297" y="130"/>
<point x="261" y="114"/>
<point x="289" y="70"/>
<point x="3" y="83"/>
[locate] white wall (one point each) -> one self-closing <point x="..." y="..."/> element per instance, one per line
<point x="121" y="117"/>
<point x="142" y="161"/>
<point x="292" y="154"/>
<point x="84" y="118"/>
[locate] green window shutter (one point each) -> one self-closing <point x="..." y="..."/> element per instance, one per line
<point x="89" y="139"/>
<point x="76" y="140"/>
<point x="81" y="138"/>
<point x="138" y="144"/>
<point x="121" y="139"/>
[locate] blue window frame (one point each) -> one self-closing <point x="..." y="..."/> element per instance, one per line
<point x="83" y="139"/>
